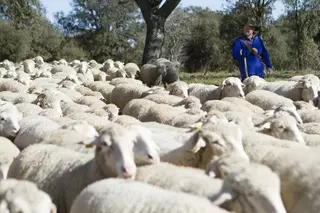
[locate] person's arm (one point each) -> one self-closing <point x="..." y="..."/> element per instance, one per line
<point x="236" y="48"/>
<point x="265" y="54"/>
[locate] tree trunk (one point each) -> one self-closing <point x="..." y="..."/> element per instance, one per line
<point x="154" y="39"/>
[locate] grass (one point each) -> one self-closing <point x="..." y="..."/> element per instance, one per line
<point x="218" y="77"/>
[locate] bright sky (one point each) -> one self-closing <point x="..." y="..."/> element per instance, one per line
<point x="54" y="6"/>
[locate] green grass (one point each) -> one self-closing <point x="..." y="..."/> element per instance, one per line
<point x="218" y="77"/>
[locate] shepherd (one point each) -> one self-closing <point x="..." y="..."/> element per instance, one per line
<point x="250" y="54"/>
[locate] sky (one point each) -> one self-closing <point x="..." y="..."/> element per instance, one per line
<point x="54" y="6"/>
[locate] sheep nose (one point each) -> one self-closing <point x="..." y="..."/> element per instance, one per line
<point x="128" y="172"/>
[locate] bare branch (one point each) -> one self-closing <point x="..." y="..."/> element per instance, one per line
<point x="168" y="7"/>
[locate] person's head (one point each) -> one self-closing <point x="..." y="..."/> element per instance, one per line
<point x="248" y="29"/>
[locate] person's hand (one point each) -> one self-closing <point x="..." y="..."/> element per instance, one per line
<point x="269" y="70"/>
<point x="255" y="50"/>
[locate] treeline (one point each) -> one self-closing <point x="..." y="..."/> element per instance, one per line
<point x="199" y="38"/>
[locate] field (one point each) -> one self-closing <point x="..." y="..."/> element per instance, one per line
<point x="217" y="77"/>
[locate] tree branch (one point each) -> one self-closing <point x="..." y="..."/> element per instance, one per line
<point x="145" y="8"/>
<point x="168" y="7"/>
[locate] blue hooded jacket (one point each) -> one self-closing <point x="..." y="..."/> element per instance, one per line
<point x="254" y="63"/>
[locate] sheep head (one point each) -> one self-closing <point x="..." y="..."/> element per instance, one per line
<point x="282" y="126"/>
<point x="216" y="140"/>
<point x="178" y="88"/>
<point x="256" y="185"/>
<point x="251" y="83"/>
<point x="232" y="87"/>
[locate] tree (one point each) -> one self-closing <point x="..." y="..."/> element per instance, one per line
<point x="155" y="17"/>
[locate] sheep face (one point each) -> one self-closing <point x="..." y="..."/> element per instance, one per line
<point x="9" y="120"/>
<point x="258" y="189"/>
<point x="161" y="69"/>
<point x="283" y="127"/>
<point x="252" y="83"/>
<point x="178" y="88"/>
<point x="232" y="87"/>
<point x="310" y="87"/>
<point x="114" y="151"/>
<point x="219" y="139"/>
<point x="145" y="149"/>
<point x="15" y="197"/>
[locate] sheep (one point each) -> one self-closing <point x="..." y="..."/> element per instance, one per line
<point x="155" y="90"/>
<point x="152" y="75"/>
<point x="13" y="86"/>
<point x="187" y="180"/>
<point x="310" y="128"/>
<point x="125" y="120"/>
<point x="16" y="97"/>
<point x="138" y="108"/>
<point x="8" y="151"/>
<point x="224" y="106"/>
<point x="119" y="64"/>
<point x="257" y="186"/>
<point x="32" y="129"/>
<point x="97" y="121"/>
<point x="305" y="89"/>
<point x="244" y="103"/>
<point x="52" y="167"/>
<point x="298" y="170"/>
<point x="190" y="102"/>
<point x="170" y="76"/>
<point x="91" y="101"/>
<point x="131" y="69"/>
<point x="24" y="196"/>
<point x="123" y="93"/>
<point x="10" y="117"/>
<point x="267" y="100"/>
<point x="103" y="87"/>
<point x="178" y="88"/>
<point x="111" y="196"/>
<point x="28" y="109"/>
<point x="117" y="81"/>
<point x="65" y="69"/>
<point x="309" y="116"/>
<point x="302" y="105"/>
<point x="29" y="66"/>
<point x="209" y="142"/>
<point x="164" y="99"/>
<point x="230" y="87"/>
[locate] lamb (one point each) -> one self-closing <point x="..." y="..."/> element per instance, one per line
<point x="267" y="100"/>
<point x="230" y="87"/>
<point x="123" y="93"/>
<point x="10" y="117"/>
<point x="52" y="167"/>
<point x="257" y="186"/>
<point x="8" y="151"/>
<point x="131" y="69"/>
<point x="152" y="75"/>
<point x="24" y="196"/>
<point x="111" y="195"/>
<point x="32" y="128"/>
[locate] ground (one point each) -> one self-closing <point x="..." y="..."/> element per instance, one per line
<point x="217" y="77"/>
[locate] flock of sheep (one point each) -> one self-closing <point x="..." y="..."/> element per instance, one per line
<point x="84" y="137"/>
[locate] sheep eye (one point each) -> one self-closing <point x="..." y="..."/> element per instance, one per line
<point x="150" y="157"/>
<point x="3" y="119"/>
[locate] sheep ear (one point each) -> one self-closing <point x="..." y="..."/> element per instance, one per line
<point x="199" y="143"/>
<point x="263" y="127"/>
<point x="224" y="196"/>
<point x="53" y="208"/>
<point x="90" y="143"/>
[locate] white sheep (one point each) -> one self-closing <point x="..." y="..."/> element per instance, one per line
<point x="178" y="88"/>
<point x="8" y="151"/>
<point x="267" y="100"/>
<point x="24" y="196"/>
<point x="121" y="196"/>
<point x="32" y="128"/>
<point x="117" y="81"/>
<point x="10" y="117"/>
<point x="13" y="86"/>
<point x="131" y="69"/>
<point x="52" y="167"/>
<point x="124" y="93"/>
<point x="257" y="186"/>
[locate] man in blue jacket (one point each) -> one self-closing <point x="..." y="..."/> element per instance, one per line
<point x="250" y="53"/>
